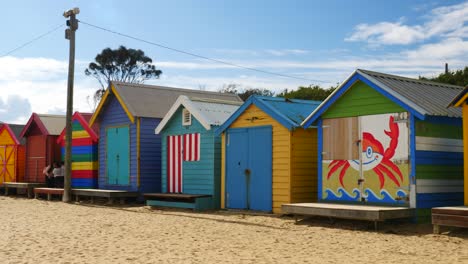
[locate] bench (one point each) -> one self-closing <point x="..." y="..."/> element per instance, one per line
<point x="29" y="186"/>
<point x="196" y="202"/>
<point x="48" y="191"/>
<point x="456" y="216"/>
<point x="110" y="194"/>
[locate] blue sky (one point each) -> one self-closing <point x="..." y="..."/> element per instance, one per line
<point x="323" y="41"/>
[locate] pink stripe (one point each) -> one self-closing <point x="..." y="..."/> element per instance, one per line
<point x="180" y="167"/>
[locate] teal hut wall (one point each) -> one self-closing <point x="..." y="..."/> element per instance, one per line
<point x="199" y="177"/>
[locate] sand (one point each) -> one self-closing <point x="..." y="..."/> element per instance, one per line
<point x="39" y="231"/>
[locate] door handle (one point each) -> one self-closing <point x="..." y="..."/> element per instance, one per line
<point x="247" y="172"/>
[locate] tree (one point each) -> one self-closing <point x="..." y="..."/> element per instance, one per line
<point x="245" y="93"/>
<point x="308" y="93"/>
<point x="122" y="64"/>
<point x="458" y="77"/>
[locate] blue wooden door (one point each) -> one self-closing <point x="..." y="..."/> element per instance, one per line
<point x="118" y="162"/>
<point x="236" y="163"/>
<point x="249" y="168"/>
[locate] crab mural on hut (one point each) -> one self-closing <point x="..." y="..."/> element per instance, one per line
<point x="373" y="157"/>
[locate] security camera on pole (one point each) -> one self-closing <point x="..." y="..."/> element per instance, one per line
<point x="72" y="24"/>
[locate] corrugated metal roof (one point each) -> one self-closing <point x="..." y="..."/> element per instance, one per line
<point x="215" y="111"/>
<point x="432" y="97"/>
<point x="154" y="101"/>
<point x="209" y="112"/>
<point x="53" y="123"/>
<point x="294" y="109"/>
<point x="17" y="131"/>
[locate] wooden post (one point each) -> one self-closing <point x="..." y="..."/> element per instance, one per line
<point x="70" y="35"/>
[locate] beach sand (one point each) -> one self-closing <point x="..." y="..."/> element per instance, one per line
<point x="39" y="231"/>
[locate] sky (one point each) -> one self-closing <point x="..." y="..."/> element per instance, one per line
<point x="319" y="42"/>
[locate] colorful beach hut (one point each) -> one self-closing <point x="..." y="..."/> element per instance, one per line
<point x="456" y="215"/>
<point x="12" y="153"/>
<point x="84" y="151"/>
<point x="41" y="133"/>
<point x="268" y="159"/>
<point x="129" y="150"/>
<point x="390" y="140"/>
<point x="191" y="153"/>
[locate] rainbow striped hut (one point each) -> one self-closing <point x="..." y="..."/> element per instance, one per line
<point x="84" y="151"/>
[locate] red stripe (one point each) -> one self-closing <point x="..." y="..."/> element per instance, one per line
<point x="190" y="147"/>
<point x="172" y="163"/>
<point x="168" y="165"/>
<point x="195" y="146"/>
<point x="81" y="142"/>
<point x="179" y="183"/>
<point x="84" y="174"/>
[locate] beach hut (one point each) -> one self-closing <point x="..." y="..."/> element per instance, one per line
<point x="12" y="153"/>
<point x="191" y="153"/>
<point x="41" y="133"/>
<point x="456" y="215"/>
<point x="390" y="140"/>
<point x="129" y="150"/>
<point x="268" y="159"/>
<point x="84" y="151"/>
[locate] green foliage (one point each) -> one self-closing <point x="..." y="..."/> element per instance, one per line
<point x="458" y="77"/>
<point x="245" y="93"/>
<point x="122" y="64"/>
<point x="307" y="93"/>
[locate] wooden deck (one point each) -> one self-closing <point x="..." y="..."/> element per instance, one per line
<point x="456" y="216"/>
<point x="358" y="212"/>
<point x="110" y="194"/>
<point x="47" y="191"/>
<point x="196" y="202"/>
<point x="29" y="186"/>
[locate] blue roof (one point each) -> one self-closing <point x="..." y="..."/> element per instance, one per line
<point x="288" y="112"/>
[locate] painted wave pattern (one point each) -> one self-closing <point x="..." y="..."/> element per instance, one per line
<point x="385" y="197"/>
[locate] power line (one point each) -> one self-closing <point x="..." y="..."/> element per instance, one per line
<point x="32" y="40"/>
<point x="199" y="56"/>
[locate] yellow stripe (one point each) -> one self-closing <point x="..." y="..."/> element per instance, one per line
<point x="80" y="134"/>
<point x="98" y="109"/>
<point x="92" y="165"/>
<point x="461" y="101"/>
<point x="130" y="116"/>
<point x="138" y="151"/>
<point x="465" y="152"/>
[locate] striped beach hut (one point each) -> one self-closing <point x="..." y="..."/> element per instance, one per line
<point x="41" y="133"/>
<point x="268" y="158"/>
<point x="390" y="140"/>
<point x="129" y="150"/>
<point x="12" y="153"/>
<point x="84" y="151"/>
<point x="191" y="152"/>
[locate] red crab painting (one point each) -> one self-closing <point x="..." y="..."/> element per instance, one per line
<point x="373" y="158"/>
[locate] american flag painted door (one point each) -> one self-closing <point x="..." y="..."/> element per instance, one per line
<point x="174" y="164"/>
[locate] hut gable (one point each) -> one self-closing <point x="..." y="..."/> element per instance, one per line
<point x="7" y="136"/>
<point x="80" y="127"/>
<point x="40" y="124"/>
<point x="420" y="98"/>
<point x="288" y="112"/>
<point x="208" y="112"/>
<point x="138" y="100"/>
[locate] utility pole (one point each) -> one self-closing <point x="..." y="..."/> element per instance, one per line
<point x="72" y="24"/>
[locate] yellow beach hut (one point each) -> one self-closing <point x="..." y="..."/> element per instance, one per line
<point x="12" y="153"/>
<point x="268" y="159"/>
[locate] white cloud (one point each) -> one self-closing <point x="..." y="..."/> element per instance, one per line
<point x="441" y="22"/>
<point x="13" y="68"/>
<point x="15" y="109"/>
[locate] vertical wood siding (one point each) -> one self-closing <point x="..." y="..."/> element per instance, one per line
<point x="304" y="165"/>
<point x="281" y="153"/>
<point x="465" y="152"/>
<point x="150" y="156"/>
<point x="114" y="115"/>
